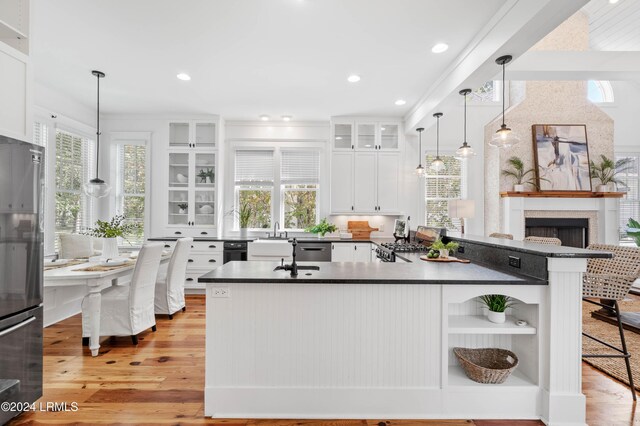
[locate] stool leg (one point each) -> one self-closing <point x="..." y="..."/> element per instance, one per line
<point x="624" y="350"/>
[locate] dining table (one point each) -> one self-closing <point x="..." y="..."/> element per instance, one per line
<point x="95" y="281"/>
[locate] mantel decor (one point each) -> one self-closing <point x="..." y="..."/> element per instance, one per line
<point x="561" y="157"/>
<point x="562" y="194"/>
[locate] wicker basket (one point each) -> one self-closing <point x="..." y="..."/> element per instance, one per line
<point x="486" y="365"/>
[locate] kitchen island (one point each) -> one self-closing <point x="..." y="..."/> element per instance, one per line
<point x="356" y="340"/>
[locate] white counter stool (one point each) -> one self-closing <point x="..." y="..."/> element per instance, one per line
<point x="610" y="281"/>
<point x="170" y="287"/>
<point x="128" y="310"/>
<point x="550" y="241"/>
<point x="501" y="235"/>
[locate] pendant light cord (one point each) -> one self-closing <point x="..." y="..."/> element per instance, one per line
<point x="420" y="153"/>
<point x="438" y="138"/>
<point x="98" y="129"/>
<point x="503" y="75"/>
<point x="465" y="118"/>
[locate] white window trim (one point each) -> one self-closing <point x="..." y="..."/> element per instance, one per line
<point x="130" y="138"/>
<point x="631" y="152"/>
<point x="464" y="180"/>
<point x="231" y="196"/>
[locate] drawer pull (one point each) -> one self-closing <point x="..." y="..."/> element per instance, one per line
<point x="204" y="233"/>
<point x="189" y="279"/>
<point x="167" y="246"/>
<point x="178" y="233"/>
<point x="212" y="260"/>
<point x="190" y="260"/>
<point x="212" y="246"/>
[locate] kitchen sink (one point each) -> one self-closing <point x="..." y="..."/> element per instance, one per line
<point x="269" y="249"/>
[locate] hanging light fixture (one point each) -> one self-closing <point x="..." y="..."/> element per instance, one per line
<point x="437" y="164"/>
<point x="504" y="136"/>
<point x="465" y="150"/>
<point x="420" y="169"/>
<point x="96" y="187"/>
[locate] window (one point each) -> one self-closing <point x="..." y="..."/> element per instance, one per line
<point x="75" y="157"/>
<point x="130" y="187"/>
<point x="299" y="178"/>
<point x="488" y="92"/>
<point x="440" y="187"/>
<point x="599" y="91"/>
<point x="630" y="203"/>
<point x="254" y="182"/>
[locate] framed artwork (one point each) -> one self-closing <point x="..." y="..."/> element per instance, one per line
<point x="561" y="154"/>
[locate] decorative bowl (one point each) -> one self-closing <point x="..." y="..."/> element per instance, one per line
<point x="206" y="209"/>
<point x="182" y="178"/>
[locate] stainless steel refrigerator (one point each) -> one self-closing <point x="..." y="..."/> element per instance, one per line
<point x="21" y="257"/>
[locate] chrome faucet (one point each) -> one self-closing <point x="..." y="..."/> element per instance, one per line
<point x="276" y="226"/>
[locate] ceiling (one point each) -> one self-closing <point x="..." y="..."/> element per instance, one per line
<point x="251" y="57"/>
<point x="614" y="26"/>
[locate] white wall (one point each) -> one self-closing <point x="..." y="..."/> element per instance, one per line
<point x="624" y="111"/>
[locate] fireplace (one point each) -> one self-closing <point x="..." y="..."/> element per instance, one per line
<point x="573" y="232"/>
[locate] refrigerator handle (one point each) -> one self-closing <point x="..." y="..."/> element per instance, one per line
<point x="17" y="326"/>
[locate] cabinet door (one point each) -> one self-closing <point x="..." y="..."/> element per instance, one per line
<point x="364" y="193"/>
<point x="342" y="182"/>
<point x="179" y="134"/>
<point x="178" y="198"/>
<point x="204" y="134"/>
<point x="204" y="173"/>
<point x="362" y="252"/>
<point x="388" y="175"/>
<point x="342" y="136"/>
<point x="14" y="118"/>
<point x="342" y="252"/>
<point x="389" y="137"/>
<point x="366" y="136"/>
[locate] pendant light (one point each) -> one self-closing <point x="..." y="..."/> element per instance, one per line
<point x="465" y="150"/>
<point x="504" y="136"/>
<point x="437" y="164"/>
<point x="420" y="169"/>
<point x="96" y="187"/>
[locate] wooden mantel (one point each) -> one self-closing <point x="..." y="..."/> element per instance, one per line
<point x="563" y="194"/>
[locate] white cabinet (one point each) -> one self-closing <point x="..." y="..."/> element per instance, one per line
<point x="192" y="134"/>
<point x="204" y="256"/>
<point x="342" y="136"/>
<point x="351" y="252"/>
<point x="365" y="135"/>
<point x="365" y="182"/>
<point x="15" y="119"/>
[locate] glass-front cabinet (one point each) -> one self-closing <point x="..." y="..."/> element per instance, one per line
<point x="192" y="189"/>
<point x="366" y="135"/>
<point x="342" y="136"/>
<point x="389" y="136"/>
<point x="192" y="134"/>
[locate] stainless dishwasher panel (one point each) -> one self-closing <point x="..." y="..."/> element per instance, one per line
<point x="314" y="252"/>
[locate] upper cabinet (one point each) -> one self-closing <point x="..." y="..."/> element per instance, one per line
<point x="192" y="134"/>
<point x="14" y="24"/>
<point x="15" y="85"/>
<point x="365" y="135"/>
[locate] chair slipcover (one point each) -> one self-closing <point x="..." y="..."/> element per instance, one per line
<point x="127" y="310"/>
<point x="170" y="287"/>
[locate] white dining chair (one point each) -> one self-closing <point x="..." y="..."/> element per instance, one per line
<point x="128" y="309"/>
<point x="170" y="286"/>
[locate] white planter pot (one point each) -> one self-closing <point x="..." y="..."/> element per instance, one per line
<point x="602" y="188"/>
<point x="182" y="211"/>
<point x="243" y="232"/>
<point x="209" y="180"/>
<point x="444" y="253"/>
<point x="496" y="317"/>
<point x="109" y="248"/>
<point x="518" y="188"/>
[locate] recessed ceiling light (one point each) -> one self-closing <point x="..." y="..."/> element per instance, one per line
<point x="383" y="128"/>
<point x="353" y="78"/>
<point x="264" y="117"/>
<point x="286" y="118"/>
<point x="439" y="48"/>
<point x="613" y="1"/>
<point x="183" y="76"/>
<point x="400" y="102"/>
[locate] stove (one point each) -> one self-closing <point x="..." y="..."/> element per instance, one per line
<point x="386" y="252"/>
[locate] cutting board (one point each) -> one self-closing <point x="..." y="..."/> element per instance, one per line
<point x="360" y="229"/>
<point x="448" y="259"/>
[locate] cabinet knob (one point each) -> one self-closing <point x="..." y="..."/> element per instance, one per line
<point x="355" y="247"/>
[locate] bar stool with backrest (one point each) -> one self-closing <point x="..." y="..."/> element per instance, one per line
<point x="550" y="241"/>
<point x="610" y="280"/>
<point x="500" y="235"/>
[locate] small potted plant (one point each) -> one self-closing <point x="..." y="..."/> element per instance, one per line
<point x="607" y="172"/>
<point x="244" y="217"/>
<point x="210" y="175"/>
<point x="518" y="173"/>
<point x="110" y="230"/>
<point x="444" y="250"/>
<point x="322" y="228"/>
<point x="182" y="208"/>
<point x="203" y="176"/>
<point x="497" y="304"/>
<point x="633" y="230"/>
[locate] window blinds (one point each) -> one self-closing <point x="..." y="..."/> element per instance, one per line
<point x="300" y="167"/>
<point x="254" y="167"/>
<point x="630" y="203"/>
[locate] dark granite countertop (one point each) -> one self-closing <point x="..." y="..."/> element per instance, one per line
<point x="374" y="240"/>
<point x="530" y="248"/>
<point x="371" y="273"/>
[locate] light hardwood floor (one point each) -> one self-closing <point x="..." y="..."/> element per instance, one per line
<point x="161" y="382"/>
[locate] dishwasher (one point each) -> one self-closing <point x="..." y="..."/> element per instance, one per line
<point x="314" y="251"/>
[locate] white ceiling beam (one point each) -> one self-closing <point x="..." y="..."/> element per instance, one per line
<point x="517" y="26"/>
<point x="584" y="65"/>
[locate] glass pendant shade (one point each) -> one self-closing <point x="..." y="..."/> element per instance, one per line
<point x="420" y="170"/>
<point x="97" y="188"/>
<point x="437" y="165"/>
<point x="504" y="137"/>
<point x="465" y="150"/>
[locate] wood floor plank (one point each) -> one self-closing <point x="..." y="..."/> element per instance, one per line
<point x="161" y="382"/>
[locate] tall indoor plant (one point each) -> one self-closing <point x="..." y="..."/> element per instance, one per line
<point x="607" y="171"/>
<point x="110" y="230"/>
